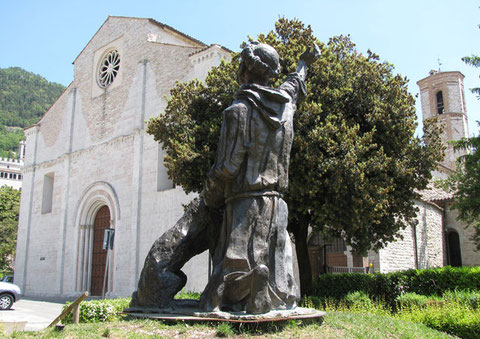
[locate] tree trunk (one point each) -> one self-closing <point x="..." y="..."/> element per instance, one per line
<point x="300" y="232"/>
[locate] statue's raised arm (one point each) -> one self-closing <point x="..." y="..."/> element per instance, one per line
<point x="306" y="59"/>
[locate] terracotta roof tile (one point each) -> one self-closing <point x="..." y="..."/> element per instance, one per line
<point x="435" y="194"/>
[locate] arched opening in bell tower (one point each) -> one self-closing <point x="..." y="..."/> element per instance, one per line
<point x="440" y="104"/>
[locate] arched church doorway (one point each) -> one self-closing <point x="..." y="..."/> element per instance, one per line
<point x="454" y="252"/>
<point x="99" y="255"/>
<point x="97" y="210"/>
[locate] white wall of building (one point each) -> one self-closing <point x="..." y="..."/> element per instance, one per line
<point x="93" y="142"/>
<point x="421" y="247"/>
<point x="469" y="253"/>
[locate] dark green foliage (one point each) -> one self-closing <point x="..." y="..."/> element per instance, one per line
<point x="391" y="285"/>
<point x="9" y="141"/>
<point x="24" y="98"/>
<point x="9" y="208"/>
<point x="337" y="286"/>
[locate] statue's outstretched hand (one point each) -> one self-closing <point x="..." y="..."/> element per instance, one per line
<point x="310" y="55"/>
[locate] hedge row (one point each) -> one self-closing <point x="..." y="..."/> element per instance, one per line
<point x="391" y="285"/>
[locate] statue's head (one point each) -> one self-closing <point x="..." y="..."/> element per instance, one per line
<point x="260" y="63"/>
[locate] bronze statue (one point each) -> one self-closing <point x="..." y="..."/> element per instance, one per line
<point x="253" y="269"/>
<point x="252" y="258"/>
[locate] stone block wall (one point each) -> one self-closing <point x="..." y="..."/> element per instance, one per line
<point x="94" y="142"/>
<point x="421" y="247"/>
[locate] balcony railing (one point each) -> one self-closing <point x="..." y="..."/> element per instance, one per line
<point x="341" y="269"/>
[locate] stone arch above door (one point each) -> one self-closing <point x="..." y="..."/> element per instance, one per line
<point x="94" y="197"/>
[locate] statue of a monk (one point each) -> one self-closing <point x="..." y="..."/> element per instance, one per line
<point x="252" y="263"/>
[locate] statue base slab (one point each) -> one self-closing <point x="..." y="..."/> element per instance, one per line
<point x="189" y="311"/>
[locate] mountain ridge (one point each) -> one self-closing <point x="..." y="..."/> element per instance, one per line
<point x="24" y="98"/>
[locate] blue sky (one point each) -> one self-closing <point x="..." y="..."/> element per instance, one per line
<point x="45" y="36"/>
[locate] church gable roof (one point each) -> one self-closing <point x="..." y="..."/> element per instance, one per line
<point x="172" y="30"/>
<point x="168" y="29"/>
<point x="211" y="47"/>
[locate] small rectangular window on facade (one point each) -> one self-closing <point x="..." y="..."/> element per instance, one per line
<point x="47" y="196"/>
<point x="163" y="182"/>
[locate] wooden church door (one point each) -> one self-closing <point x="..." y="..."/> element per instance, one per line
<point x="99" y="257"/>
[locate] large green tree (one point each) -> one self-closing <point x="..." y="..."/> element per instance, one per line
<point x="355" y="164"/>
<point x="9" y="207"/>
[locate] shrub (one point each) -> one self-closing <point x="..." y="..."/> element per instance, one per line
<point x="467" y="298"/>
<point x="359" y="300"/>
<point x="188" y="295"/>
<point x="392" y="285"/>
<point x="450" y="317"/>
<point x="437" y="281"/>
<point x="93" y="311"/>
<point x="411" y="299"/>
<point x="446" y="299"/>
<point x="337" y="286"/>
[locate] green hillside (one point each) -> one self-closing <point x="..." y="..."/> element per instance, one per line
<point x="24" y="97"/>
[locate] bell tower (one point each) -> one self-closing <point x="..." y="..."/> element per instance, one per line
<point x="442" y="95"/>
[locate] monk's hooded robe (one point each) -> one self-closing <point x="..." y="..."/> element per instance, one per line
<point x="248" y="179"/>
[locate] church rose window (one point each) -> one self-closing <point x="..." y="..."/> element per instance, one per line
<point x="108" y="68"/>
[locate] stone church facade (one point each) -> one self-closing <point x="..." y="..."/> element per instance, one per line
<point x="90" y="165"/>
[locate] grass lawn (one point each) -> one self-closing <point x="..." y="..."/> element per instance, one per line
<point x="335" y="325"/>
